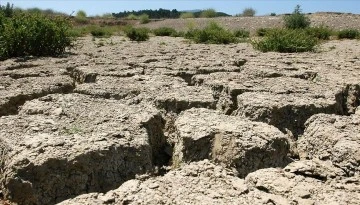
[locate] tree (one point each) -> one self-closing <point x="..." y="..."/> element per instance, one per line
<point x="248" y="12"/>
<point x="297" y="20"/>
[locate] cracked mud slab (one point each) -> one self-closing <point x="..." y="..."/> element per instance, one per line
<point x="232" y="141"/>
<point x="207" y="183"/>
<point x="60" y="146"/>
<point x="333" y="138"/>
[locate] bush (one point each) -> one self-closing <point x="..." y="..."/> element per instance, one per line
<point x="273" y="14"/>
<point x="296" y="20"/>
<point x="321" y="32"/>
<point x="137" y="34"/>
<point x="263" y="31"/>
<point x="144" y="18"/>
<point x="248" y="12"/>
<point x="81" y="17"/>
<point x="132" y="17"/>
<point x="286" y="41"/>
<point x="98" y="31"/>
<point x="348" y="33"/>
<point x="208" y="13"/>
<point x="212" y="33"/>
<point x="165" y="31"/>
<point x="241" y="33"/>
<point x="33" y="34"/>
<point x="187" y="15"/>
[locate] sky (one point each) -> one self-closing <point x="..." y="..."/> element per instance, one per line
<point x="232" y="7"/>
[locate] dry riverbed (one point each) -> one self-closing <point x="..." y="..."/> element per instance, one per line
<point x="171" y="122"/>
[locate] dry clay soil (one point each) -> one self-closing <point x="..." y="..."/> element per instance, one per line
<point x="170" y="122"/>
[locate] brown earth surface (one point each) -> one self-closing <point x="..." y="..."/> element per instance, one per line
<point x="171" y="122"/>
<point x="337" y="21"/>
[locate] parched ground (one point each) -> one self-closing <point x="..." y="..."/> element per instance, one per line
<point x="171" y="122"/>
<point x="337" y="21"/>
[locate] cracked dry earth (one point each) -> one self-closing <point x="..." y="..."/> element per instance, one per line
<point x="168" y="122"/>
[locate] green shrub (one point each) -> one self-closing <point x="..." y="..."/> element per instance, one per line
<point x="137" y="34"/>
<point x="286" y="41"/>
<point x="81" y="17"/>
<point x="241" y="33"/>
<point x="296" y="20"/>
<point x="263" y="31"/>
<point x="132" y="17"/>
<point x="248" y="12"/>
<point x="348" y="33"/>
<point x="208" y="13"/>
<point x="144" y="18"/>
<point x="273" y="14"/>
<point x="33" y="34"/>
<point x="321" y="32"/>
<point x="187" y="15"/>
<point x="98" y="31"/>
<point x="165" y="31"/>
<point x="212" y="33"/>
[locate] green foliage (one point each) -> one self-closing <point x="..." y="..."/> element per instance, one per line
<point x="144" y="18"/>
<point x="248" y="12"/>
<point x="34" y="10"/>
<point x="187" y="15"/>
<point x="348" y="33"/>
<point x="132" y="17"/>
<point x="107" y="16"/>
<point x="33" y="34"/>
<point x="273" y="14"/>
<point x="212" y="33"/>
<point x="98" y="31"/>
<point x="241" y="33"/>
<point x="165" y="31"/>
<point x="321" y="32"/>
<point x="137" y="34"/>
<point x="296" y="20"/>
<point x="208" y="13"/>
<point x="81" y="14"/>
<point x="81" y="17"/>
<point x="286" y="41"/>
<point x="263" y="31"/>
<point x="7" y="10"/>
<point x="153" y="14"/>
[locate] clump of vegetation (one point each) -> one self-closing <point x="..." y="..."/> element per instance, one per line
<point x="208" y="13"/>
<point x="212" y="33"/>
<point x="165" y="31"/>
<point x="241" y="33"/>
<point x="33" y="34"/>
<point x="187" y="15"/>
<point x="132" y="17"/>
<point x="137" y="34"/>
<point x="263" y="31"/>
<point x="297" y="20"/>
<point x="286" y="41"/>
<point x="81" y="17"/>
<point x="98" y="31"/>
<point x="144" y="18"/>
<point x="248" y="12"/>
<point x="321" y="32"/>
<point x="348" y="33"/>
<point x="273" y="14"/>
